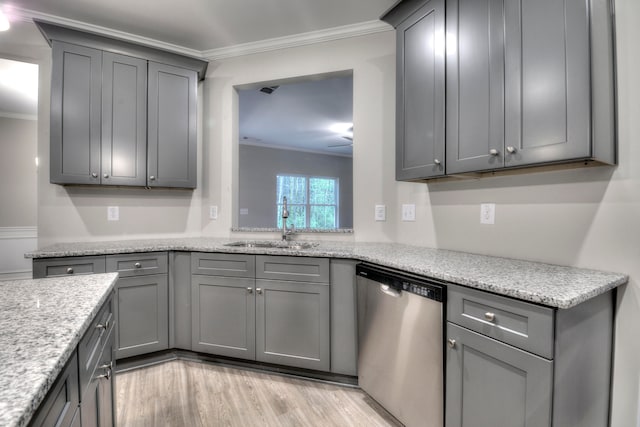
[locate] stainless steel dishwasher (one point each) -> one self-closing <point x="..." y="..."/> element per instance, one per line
<point x="401" y="348"/>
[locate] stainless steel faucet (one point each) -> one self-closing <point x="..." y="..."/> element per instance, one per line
<point x="285" y="214"/>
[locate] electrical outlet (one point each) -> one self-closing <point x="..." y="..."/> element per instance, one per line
<point x="488" y="213"/>
<point x="113" y="213"/>
<point x="213" y="212"/>
<point x="408" y="212"/>
<point x="244" y="211"/>
<point x="381" y="213"/>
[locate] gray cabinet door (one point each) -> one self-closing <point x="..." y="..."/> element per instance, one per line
<point x="172" y="127"/>
<point x="124" y="120"/>
<point x="223" y="316"/>
<point x="547" y="86"/>
<point x="142" y="315"/>
<point x="491" y="384"/>
<point x="97" y="401"/>
<point x="420" y="104"/>
<point x="475" y="80"/>
<point x="60" y="406"/>
<point x="76" y="80"/>
<point x="293" y="324"/>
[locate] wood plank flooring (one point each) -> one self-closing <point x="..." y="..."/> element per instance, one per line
<point x="186" y="393"/>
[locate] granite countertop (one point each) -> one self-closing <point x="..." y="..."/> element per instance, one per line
<point x="547" y="284"/>
<point x="41" y="323"/>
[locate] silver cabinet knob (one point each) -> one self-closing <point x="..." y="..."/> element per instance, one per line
<point x="70" y="270"/>
<point x="137" y="265"/>
<point x="94" y="175"/>
<point x="511" y="149"/>
<point x="152" y="178"/>
<point x="106" y="175"/>
<point x="494" y="152"/>
<point x="490" y="316"/>
<point x="451" y="342"/>
<point x="436" y="161"/>
<point x="250" y="290"/>
<point x="258" y="290"/>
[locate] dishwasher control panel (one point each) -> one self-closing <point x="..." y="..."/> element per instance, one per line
<point x="425" y="287"/>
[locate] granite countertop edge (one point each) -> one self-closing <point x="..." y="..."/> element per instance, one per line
<point x="503" y="276"/>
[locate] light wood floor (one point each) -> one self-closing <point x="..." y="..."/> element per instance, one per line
<point x="185" y="393"/>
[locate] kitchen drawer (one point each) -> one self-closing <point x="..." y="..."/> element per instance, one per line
<point x="91" y="344"/>
<point x="227" y="265"/>
<point x="138" y="264"/>
<point x="61" y="403"/>
<point x="50" y="267"/>
<point x="299" y="269"/>
<point x="523" y="325"/>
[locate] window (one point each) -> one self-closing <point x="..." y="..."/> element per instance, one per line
<point x="312" y="201"/>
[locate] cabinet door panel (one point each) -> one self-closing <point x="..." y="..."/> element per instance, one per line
<point x="172" y="126"/>
<point x="475" y="75"/>
<point x="75" y="114"/>
<point x="491" y="384"/>
<point x="142" y="309"/>
<point x="547" y="82"/>
<point x="60" y="405"/>
<point x="292" y="324"/>
<point x="223" y="310"/>
<point x="420" y="94"/>
<point x="124" y="120"/>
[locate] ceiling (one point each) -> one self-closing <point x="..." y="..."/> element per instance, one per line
<point x="301" y="115"/>
<point x="204" y="25"/>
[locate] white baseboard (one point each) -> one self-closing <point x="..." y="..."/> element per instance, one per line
<point x="14" y="243"/>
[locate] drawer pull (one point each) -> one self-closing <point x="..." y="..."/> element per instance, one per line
<point x="451" y="342"/>
<point x="106" y="366"/>
<point x="250" y="290"/>
<point x="106" y="375"/>
<point x="259" y="290"/>
<point x="490" y="316"/>
<point x="137" y="265"/>
<point x="101" y="326"/>
<point x="70" y="270"/>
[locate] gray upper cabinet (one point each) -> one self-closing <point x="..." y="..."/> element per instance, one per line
<point x="420" y="93"/>
<point x="121" y="114"/>
<point x="75" y="114"/>
<point x="124" y="120"/>
<point x="527" y="83"/>
<point x="172" y="145"/>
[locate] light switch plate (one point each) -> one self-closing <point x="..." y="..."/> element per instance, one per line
<point x="488" y="213"/>
<point x="113" y="213"/>
<point x="213" y="212"/>
<point x="409" y="212"/>
<point x="381" y="213"/>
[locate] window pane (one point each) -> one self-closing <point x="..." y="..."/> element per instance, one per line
<point x="297" y="216"/>
<point x="322" y="191"/>
<point x="293" y="187"/>
<point x="322" y="217"/>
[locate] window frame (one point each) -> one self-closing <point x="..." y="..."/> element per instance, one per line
<point x="307" y="206"/>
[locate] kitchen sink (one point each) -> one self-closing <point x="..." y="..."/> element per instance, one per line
<point x="273" y="244"/>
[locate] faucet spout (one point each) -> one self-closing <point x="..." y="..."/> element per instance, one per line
<point x="285" y="214"/>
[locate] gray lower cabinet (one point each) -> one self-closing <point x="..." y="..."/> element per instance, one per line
<point x="280" y="317"/>
<point x="513" y="363"/>
<point x="52" y="267"/>
<point x="293" y="324"/>
<point x="420" y="94"/>
<point x="141" y="303"/>
<point x="224" y="316"/>
<point x="97" y="407"/>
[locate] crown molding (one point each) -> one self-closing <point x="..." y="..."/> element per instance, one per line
<point x="29" y="15"/>
<point x="302" y="39"/>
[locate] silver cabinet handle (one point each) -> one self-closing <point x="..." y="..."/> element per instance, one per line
<point x="494" y="152"/>
<point x="106" y="375"/>
<point x="259" y="290"/>
<point x="94" y="175"/>
<point x="106" y="175"/>
<point x="101" y="326"/>
<point x="250" y="290"/>
<point x="511" y="149"/>
<point x="436" y="161"/>
<point x="451" y="342"/>
<point x="137" y="265"/>
<point x="152" y="178"/>
<point x="106" y="366"/>
<point x="70" y="270"/>
<point x="490" y="316"/>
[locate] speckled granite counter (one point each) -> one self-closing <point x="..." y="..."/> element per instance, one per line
<point x="551" y="285"/>
<point x="41" y="323"/>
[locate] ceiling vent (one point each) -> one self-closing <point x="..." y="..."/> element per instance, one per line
<point x="269" y="89"/>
